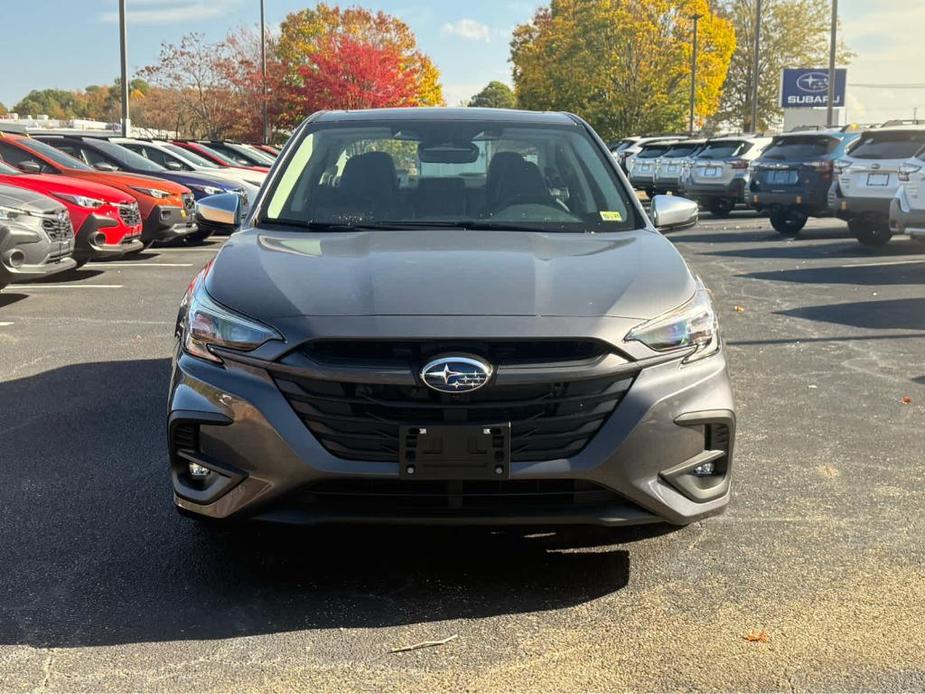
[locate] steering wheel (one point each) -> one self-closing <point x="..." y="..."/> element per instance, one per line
<point x="529" y="199"/>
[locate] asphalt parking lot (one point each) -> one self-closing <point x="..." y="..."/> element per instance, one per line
<point x="813" y="579"/>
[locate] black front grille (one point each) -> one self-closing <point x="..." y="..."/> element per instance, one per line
<point x="360" y="421"/>
<point x="58" y="227"/>
<point x="130" y="214"/>
<point x="408" y="496"/>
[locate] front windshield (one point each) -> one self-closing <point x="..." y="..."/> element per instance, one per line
<point x="451" y="173"/>
<point x="127" y="157"/>
<point x="188" y="156"/>
<point x="56" y="155"/>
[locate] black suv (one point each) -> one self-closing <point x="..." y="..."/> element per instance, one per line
<point x="792" y="177"/>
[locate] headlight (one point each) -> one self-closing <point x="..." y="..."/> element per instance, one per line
<point x="152" y="192"/>
<point x="81" y="200"/>
<point x="208" y="190"/>
<point x="11" y="213"/>
<point x="203" y="324"/>
<point x="692" y="324"/>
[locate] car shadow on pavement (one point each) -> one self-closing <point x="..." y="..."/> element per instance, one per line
<point x="861" y="275"/>
<point x="890" y="314"/>
<point x="66" y="277"/>
<point x="8" y="297"/>
<point x="798" y="251"/>
<point x="94" y="554"/>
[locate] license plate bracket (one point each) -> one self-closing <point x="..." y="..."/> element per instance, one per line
<point x="782" y="177"/>
<point x="878" y="179"/>
<point x="711" y="171"/>
<point x="455" y="451"/>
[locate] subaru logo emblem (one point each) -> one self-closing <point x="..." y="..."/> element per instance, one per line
<point x="814" y="82"/>
<point x="456" y="374"/>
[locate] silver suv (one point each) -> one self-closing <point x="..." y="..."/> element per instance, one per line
<point x="36" y="236"/>
<point x="719" y="178"/>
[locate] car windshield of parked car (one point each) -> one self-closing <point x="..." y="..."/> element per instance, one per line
<point x="678" y="151"/>
<point x="723" y="150"/>
<point x="450" y="173"/>
<point x="127" y="157"/>
<point x="799" y="148"/>
<point x="57" y="156"/>
<point x="190" y="157"/>
<point x="652" y="152"/>
<point x="888" y="145"/>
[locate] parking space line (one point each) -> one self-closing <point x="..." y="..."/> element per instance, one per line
<point x="887" y="262"/>
<point x="138" y="264"/>
<point x="27" y="287"/>
<point x="3" y="325"/>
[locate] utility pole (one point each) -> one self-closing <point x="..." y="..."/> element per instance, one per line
<point x="755" y="67"/>
<point x="830" y="100"/>
<point x="696" y="19"/>
<point x="263" y="72"/>
<point x="126" y="123"/>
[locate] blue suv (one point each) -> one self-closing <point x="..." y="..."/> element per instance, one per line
<point x="792" y="177"/>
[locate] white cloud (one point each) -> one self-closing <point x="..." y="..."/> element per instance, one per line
<point x="468" y="29"/>
<point x="458" y="94"/>
<point x="171" y="11"/>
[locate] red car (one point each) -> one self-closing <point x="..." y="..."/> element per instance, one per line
<point x="167" y="208"/>
<point x="217" y="157"/>
<point x="106" y="221"/>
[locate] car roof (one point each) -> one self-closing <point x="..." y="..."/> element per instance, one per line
<point x="448" y="114"/>
<point x="896" y="129"/>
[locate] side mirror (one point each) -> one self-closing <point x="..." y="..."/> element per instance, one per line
<point x="222" y="210"/>
<point x="173" y="165"/>
<point x="671" y="213"/>
<point x="29" y="166"/>
<point x="105" y="166"/>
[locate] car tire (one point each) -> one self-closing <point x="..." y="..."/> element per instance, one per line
<point x="788" y="222"/>
<point x="871" y="231"/>
<point x="721" y="207"/>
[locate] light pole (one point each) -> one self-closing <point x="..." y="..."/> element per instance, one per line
<point x="755" y="67"/>
<point x="696" y="19"/>
<point x="830" y="99"/>
<point x="263" y="72"/>
<point x="123" y="45"/>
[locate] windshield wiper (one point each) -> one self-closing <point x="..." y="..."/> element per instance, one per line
<point x="327" y="226"/>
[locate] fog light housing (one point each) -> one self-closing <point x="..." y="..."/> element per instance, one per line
<point x="704" y="470"/>
<point x="198" y="472"/>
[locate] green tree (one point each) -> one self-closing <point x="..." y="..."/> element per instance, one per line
<point x="3" y="109"/>
<point x="623" y="65"/>
<point x="794" y="33"/>
<point x="55" y="103"/>
<point x="495" y="95"/>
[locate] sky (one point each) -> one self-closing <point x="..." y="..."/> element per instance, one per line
<point x="70" y="44"/>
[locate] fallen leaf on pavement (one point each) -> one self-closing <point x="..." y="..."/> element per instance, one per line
<point x="905" y="400"/>
<point x="739" y="309"/>
<point x="425" y="644"/>
<point x="758" y="636"/>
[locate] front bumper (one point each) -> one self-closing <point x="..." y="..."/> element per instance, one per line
<point x="90" y="242"/>
<point x="905" y="220"/>
<point x="25" y="273"/>
<point x="167" y="223"/>
<point x="264" y="458"/>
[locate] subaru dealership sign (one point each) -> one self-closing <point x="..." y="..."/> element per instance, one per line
<point x="806" y="88"/>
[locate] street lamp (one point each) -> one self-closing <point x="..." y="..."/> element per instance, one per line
<point x="755" y="68"/>
<point x="123" y="46"/>
<point x="830" y="100"/>
<point x="263" y="72"/>
<point x="690" y="128"/>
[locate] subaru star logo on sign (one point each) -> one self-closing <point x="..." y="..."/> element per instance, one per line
<point x="807" y="88"/>
<point x="456" y="374"/>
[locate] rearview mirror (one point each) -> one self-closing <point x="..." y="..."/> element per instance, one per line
<point x="223" y="210"/>
<point x="30" y="166"/>
<point x="672" y="213"/>
<point x="448" y="153"/>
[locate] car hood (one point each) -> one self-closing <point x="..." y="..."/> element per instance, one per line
<point x="23" y="199"/>
<point x="72" y="186"/>
<point x="195" y="178"/>
<point x="444" y="272"/>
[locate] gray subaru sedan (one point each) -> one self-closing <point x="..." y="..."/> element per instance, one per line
<point x="449" y="316"/>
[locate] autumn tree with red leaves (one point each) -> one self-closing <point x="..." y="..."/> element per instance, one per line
<point x="346" y="73"/>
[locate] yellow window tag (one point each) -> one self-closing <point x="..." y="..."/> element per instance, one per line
<point x="611" y="216"/>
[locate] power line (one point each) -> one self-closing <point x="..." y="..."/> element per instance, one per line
<point x="907" y="85"/>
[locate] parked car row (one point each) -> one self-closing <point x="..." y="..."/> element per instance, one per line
<point x="67" y="198"/>
<point x="872" y="179"/>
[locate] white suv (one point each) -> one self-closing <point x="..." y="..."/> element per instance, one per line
<point x="869" y="179"/>
<point x="907" y="208"/>
<point x="719" y="177"/>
